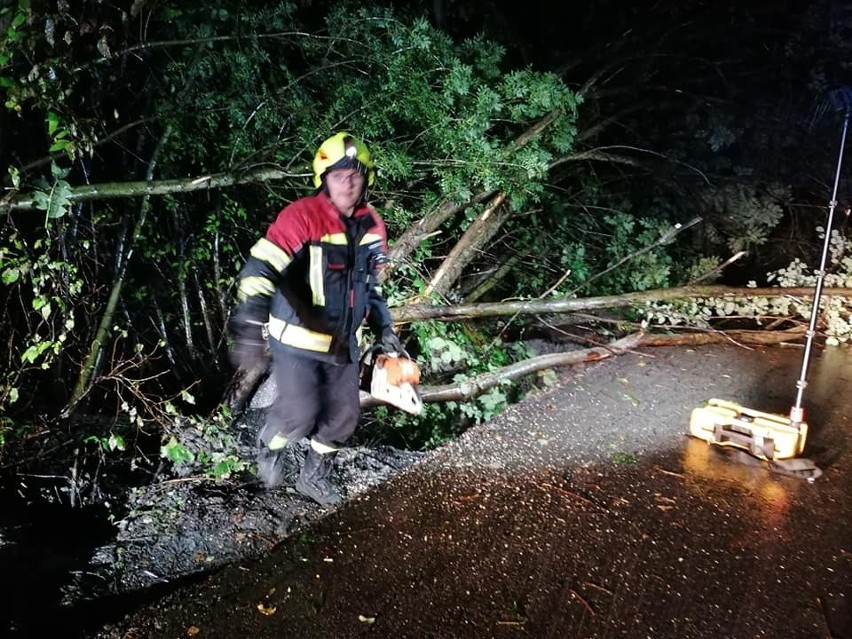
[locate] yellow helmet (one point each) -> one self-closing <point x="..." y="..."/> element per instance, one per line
<point x="343" y="151"/>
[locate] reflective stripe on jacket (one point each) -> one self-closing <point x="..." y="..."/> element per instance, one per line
<point x="315" y="277"/>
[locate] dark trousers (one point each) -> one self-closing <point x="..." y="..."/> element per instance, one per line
<point x="315" y="399"/>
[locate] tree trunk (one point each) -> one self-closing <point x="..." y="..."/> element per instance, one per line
<point x="87" y="371"/>
<point x="205" y="317"/>
<point x="477" y="235"/>
<point x="475" y="386"/>
<point x="418" y="312"/>
<point x="147" y="188"/>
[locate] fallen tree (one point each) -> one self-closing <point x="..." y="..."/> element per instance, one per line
<point x="472" y="387"/>
<point x="246" y="381"/>
<point x="419" y="312"/>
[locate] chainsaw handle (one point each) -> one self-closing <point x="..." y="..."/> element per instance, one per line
<point x="377" y="349"/>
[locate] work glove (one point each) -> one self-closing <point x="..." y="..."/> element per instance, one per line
<point x="391" y="343"/>
<point x="248" y="354"/>
<point x="248" y="350"/>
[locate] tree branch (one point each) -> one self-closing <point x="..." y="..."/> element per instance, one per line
<point x="417" y="312"/>
<point x="478" y="234"/>
<point x="475" y="386"/>
<point x="26" y="202"/>
<point x="430" y="222"/>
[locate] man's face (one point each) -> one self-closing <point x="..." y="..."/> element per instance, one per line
<point x="345" y="187"/>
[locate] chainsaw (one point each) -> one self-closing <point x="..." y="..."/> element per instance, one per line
<point x="392" y="378"/>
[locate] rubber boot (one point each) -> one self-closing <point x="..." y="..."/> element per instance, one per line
<point x="270" y="462"/>
<point x="313" y="479"/>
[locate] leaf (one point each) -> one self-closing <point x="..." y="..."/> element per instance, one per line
<point x="176" y="452"/>
<point x="56" y="201"/>
<point x="34" y="352"/>
<point x="10" y="276"/>
<point x="103" y="47"/>
<point x="548" y="377"/>
<point x="116" y="442"/>
<point x="57" y="171"/>
<point x="15" y="176"/>
<point x="52" y="122"/>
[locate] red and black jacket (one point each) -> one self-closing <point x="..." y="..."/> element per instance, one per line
<point x="314" y="279"/>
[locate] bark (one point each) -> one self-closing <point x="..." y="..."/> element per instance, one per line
<point x="205" y="315"/>
<point x="217" y="273"/>
<point x="419" y="312"/>
<point x="183" y="295"/>
<point x="160" y="324"/>
<point x="740" y="338"/>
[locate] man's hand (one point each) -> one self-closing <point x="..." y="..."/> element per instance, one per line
<point x="390" y="342"/>
<point x="247" y="354"/>
<point x="248" y="350"/>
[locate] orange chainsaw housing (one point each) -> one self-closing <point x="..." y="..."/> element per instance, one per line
<point x="399" y="370"/>
<point x="393" y="379"/>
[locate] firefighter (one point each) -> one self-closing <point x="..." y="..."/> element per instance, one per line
<point x="307" y="287"/>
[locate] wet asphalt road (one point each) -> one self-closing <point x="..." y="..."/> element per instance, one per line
<point x="584" y="511"/>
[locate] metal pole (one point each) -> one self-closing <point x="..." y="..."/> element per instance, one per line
<point x="797" y="413"/>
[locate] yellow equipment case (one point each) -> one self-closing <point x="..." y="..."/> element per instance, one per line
<point x="764" y="435"/>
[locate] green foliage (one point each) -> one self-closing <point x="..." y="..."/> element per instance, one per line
<point x="624" y="459"/>
<point x="15" y="16"/>
<point x="836" y="312"/>
<point x="741" y="216"/>
<point x="204" y="446"/>
<point x="44" y="290"/>
<point x="594" y="252"/>
<point x="54" y="198"/>
<point x="108" y="443"/>
<point x="705" y="268"/>
<point x="438" y="115"/>
<point x="176" y="452"/>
